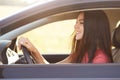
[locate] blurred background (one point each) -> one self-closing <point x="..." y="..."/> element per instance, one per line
<point x="10" y="6"/>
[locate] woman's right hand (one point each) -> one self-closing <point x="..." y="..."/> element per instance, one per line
<point x="22" y="41"/>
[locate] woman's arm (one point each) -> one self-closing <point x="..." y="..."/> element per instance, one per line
<point x="34" y="52"/>
<point x="65" y="61"/>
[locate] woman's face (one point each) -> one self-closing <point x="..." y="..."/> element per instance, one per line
<point x="79" y="26"/>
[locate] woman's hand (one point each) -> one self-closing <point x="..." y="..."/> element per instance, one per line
<point x="25" y="42"/>
<point x="34" y="52"/>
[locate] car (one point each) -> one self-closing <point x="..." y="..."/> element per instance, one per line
<point x="38" y="15"/>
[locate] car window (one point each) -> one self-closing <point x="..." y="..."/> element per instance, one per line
<point x="53" y="38"/>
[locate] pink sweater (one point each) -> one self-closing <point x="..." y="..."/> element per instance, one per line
<point x="100" y="57"/>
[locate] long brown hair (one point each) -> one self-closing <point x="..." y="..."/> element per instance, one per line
<point x="96" y="35"/>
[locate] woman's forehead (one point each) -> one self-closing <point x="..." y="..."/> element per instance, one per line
<point x="81" y="16"/>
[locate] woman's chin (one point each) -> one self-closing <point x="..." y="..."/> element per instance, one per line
<point x="78" y="38"/>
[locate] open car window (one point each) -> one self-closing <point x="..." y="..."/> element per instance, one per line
<point x="53" y="39"/>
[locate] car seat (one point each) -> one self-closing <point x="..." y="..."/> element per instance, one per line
<point x="116" y="44"/>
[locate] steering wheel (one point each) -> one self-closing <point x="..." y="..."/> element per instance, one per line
<point x="27" y="55"/>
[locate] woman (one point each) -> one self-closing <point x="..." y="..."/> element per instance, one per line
<point x="91" y="44"/>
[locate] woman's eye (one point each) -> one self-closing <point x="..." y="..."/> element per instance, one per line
<point x="81" y="22"/>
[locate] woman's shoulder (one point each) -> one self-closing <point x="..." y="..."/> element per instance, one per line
<point x="100" y="57"/>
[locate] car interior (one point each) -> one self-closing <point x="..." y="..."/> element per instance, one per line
<point x="116" y="44"/>
<point x="113" y="16"/>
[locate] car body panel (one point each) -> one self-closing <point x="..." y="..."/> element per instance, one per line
<point x="61" y="71"/>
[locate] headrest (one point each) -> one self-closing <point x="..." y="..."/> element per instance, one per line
<point x="116" y="37"/>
